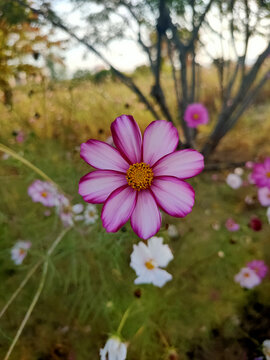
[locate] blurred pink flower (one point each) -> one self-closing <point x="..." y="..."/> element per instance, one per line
<point x="259" y="267"/>
<point x="20" y="137"/>
<point x="247" y="278"/>
<point x="231" y="225"/>
<point x="140" y="175"/>
<point x="264" y="196"/>
<point x="196" y="114"/>
<point x="249" y="164"/>
<point x="43" y="192"/>
<point x="261" y="173"/>
<point x="19" y="251"/>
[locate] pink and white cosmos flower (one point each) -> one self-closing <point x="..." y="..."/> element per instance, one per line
<point x="259" y="267"/>
<point x="139" y="176"/>
<point x="247" y="278"/>
<point x="264" y="196"/>
<point x="196" y="114"/>
<point x="19" y="251"/>
<point x="231" y="225"/>
<point x="43" y="192"/>
<point x="261" y="173"/>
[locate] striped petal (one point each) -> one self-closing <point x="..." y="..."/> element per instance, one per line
<point x="118" y="208"/>
<point x="160" y="138"/>
<point x="173" y="195"/>
<point x="103" y="156"/>
<point x="183" y="164"/>
<point x="145" y="219"/>
<point x="96" y="186"/>
<point x="127" y="138"/>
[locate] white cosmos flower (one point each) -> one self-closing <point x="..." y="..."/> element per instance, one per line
<point x="19" y="251"/>
<point x="247" y="278"/>
<point x="268" y="214"/>
<point x="239" y="171"/>
<point x="266" y="348"/>
<point x="234" y="181"/>
<point x="147" y="262"/>
<point x="68" y="213"/>
<point x="90" y="214"/>
<point x="115" y="349"/>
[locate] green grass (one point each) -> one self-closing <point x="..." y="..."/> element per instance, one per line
<point x="90" y="284"/>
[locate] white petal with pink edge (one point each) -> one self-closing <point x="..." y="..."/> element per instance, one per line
<point x="127" y="137"/>
<point x="145" y="219"/>
<point x="173" y="195"/>
<point x="160" y="138"/>
<point x="118" y="208"/>
<point x="96" y="186"/>
<point x="183" y="164"/>
<point x="103" y="156"/>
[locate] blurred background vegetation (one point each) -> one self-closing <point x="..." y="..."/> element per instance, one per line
<point x="202" y="313"/>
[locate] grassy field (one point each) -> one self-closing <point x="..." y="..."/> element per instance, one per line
<point x="201" y="314"/>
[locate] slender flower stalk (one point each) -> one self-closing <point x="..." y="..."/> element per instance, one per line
<point x="38" y="292"/>
<point x="16" y="156"/>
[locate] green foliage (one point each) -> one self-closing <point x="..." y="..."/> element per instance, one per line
<point x="90" y="284"/>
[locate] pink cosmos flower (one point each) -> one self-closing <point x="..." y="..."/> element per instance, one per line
<point x="139" y="176"/>
<point x="19" y="251"/>
<point x="247" y="278"/>
<point x="264" y="196"/>
<point x="231" y="225"/>
<point x="259" y="267"/>
<point x="249" y="164"/>
<point x="43" y="192"/>
<point x="261" y="173"/>
<point x="196" y="114"/>
<point x="20" y="137"/>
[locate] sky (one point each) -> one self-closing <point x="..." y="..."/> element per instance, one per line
<point x="126" y="54"/>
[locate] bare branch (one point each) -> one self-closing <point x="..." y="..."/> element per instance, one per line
<point x="54" y="20"/>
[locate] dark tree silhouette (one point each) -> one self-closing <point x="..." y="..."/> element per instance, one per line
<point x="175" y="31"/>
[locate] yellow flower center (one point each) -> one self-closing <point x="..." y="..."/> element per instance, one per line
<point x="149" y="265"/>
<point x="139" y="176"/>
<point x="22" y="251"/>
<point x="91" y="213"/>
<point x="195" y="116"/>
<point x="44" y="194"/>
<point x="246" y="275"/>
<point x="268" y="174"/>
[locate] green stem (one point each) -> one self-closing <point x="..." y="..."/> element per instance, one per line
<point x="20" y="287"/>
<point x="37" y="294"/>
<point x="123" y="320"/>
<point x="16" y="156"/>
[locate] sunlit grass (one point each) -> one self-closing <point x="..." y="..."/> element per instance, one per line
<point x="90" y="284"/>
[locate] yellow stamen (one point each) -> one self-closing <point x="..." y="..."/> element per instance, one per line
<point x="268" y="174"/>
<point x="149" y="265"/>
<point x="139" y="176"/>
<point x="246" y="274"/>
<point x="44" y="194"/>
<point x="22" y="251"/>
<point x="195" y="116"/>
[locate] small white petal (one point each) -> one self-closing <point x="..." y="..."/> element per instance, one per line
<point x="234" y="181"/>
<point x="159" y="252"/>
<point x="77" y="208"/>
